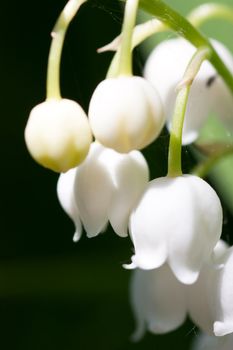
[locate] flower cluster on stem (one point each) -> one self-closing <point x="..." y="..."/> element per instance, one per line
<point x="181" y="267"/>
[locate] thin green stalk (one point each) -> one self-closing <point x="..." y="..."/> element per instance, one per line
<point x="125" y="59"/>
<point x="206" y="166"/>
<point x="140" y="33"/>
<point x="206" y="12"/>
<point x="58" y="36"/>
<point x="182" y="26"/>
<point x="175" y="145"/>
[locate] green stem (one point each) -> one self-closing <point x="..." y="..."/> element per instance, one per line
<point x="58" y="36"/>
<point x="175" y="145"/>
<point x="206" y="12"/>
<point x="181" y="25"/>
<point x="125" y="55"/>
<point x="206" y="166"/>
<point x="140" y="33"/>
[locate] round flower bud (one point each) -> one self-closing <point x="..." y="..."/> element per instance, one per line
<point x="58" y="134"/>
<point x="126" y="113"/>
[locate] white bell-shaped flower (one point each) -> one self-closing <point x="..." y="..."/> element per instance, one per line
<point x="161" y="303"/>
<point x="58" y="135"/>
<point x="158" y="300"/>
<point x="165" y="68"/>
<point x="177" y="220"/>
<point x="213" y="312"/>
<point x="207" y="342"/>
<point x="105" y="187"/>
<point x="126" y="113"/>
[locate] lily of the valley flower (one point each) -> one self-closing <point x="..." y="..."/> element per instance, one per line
<point x="161" y="303"/>
<point x="58" y="135"/>
<point x="126" y="113"/>
<point x="165" y="68"/>
<point x="213" y="312"/>
<point x="207" y="342"/>
<point x="177" y="220"/>
<point x="106" y="186"/>
<point x="157" y="299"/>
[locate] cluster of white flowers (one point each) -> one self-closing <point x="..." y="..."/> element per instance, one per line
<point x="181" y="265"/>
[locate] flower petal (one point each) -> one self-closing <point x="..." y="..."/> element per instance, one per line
<point x="199" y="303"/>
<point x="93" y="191"/>
<point x="202" y="296"/>
<point x="198" y="229"/>
<point x="158" y="301"/>
<point x="65" y="193"/>
<point x="149" y="225"/>
<point x="131" y="175"/>
<point x="206" y="342"/>
<point x="223" y="306"/>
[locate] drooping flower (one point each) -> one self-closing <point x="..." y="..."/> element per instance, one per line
<point x="161" y="303"/>
<point x="126" y="113"/>
<point x="178" y="221"/>
<point x="165" y="68"/>
<point x="207" y="342"/>
<point x="158" y="301"/>
<point x="58" y="135"/>
<point x="106" y="186"/>
<point x="213" y="312"/>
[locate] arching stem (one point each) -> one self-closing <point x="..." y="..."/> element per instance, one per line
<point x="58" y="36"/>
<point x="175" y="145"/>
<point x="206" y="12"/>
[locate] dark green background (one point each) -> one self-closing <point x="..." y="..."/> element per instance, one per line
<point x="55" y="294"/>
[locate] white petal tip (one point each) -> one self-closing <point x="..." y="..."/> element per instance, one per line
<point x="122" y="234"/>
<point x="92" y="234"/>
<point x="221" y="328"/>
<point x="130" y="266"/>
<point x="186" y="277"/>
<point x="76" y="237"/>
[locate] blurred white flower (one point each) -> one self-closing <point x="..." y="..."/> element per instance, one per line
<point x="207" y="342"/>
<point x="213" y="312"/>
<point x="126" y="113"/>
<point x="165" y="68"/>
<point x="105" y="187"/>
<point x="58" y="135"/>
<point x="158" y="301"/>
<point x="161" y="303"/>
<point x="178" y="221"/>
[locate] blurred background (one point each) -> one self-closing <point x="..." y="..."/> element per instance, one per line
<point x="55" y="294"/>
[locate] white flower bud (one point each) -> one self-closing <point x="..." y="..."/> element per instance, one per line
<point x="126" y="113"/>
<point x="209" y="93"/>
<point x="58" y="134"/>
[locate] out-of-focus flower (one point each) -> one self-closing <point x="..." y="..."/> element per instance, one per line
<point x="207" y="342"/>
<point x="161" y="303"/>
<point x="178" y="221"/>
<point x="106" y="186"/>
<point x="126" y="113"/>
<point x="158" y="300"/>
<point x="58" y="135"/>
<point x="213" y="311"/>
<point x="165" y="68"/>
